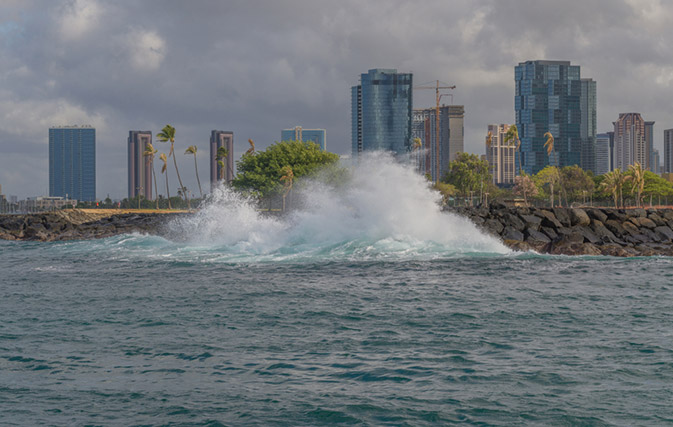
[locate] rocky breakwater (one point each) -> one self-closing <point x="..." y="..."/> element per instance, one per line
<point x="578" y="231"/>
<point x="76" y="225"/>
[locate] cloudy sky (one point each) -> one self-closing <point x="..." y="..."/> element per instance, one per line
<point x="255" y="67"/>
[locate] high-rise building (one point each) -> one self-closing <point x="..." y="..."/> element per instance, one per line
<point x="319" y="136"/>
<point x="451" y="137"/>
<point x="602" y="154"/>
<point x="668" y="151"/>
<point x="221" y="138"/>
<point x="588" y="124"/>
<point x="547" y="99"/>
<point x="631" y="144"/>
<point x="139" y="165"/>
<point x="611" y="135"/>
<point x="381" y="112"/>
<point x="500" y="156"/>
<point x="72" y="162"/>
<point x="654" y="164"/>
<point x="649" y="144"/>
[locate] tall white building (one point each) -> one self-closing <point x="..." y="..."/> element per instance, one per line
<point x="633" y="137"/>
<point x="500" y="157"/>
<point x="451" y="137"/>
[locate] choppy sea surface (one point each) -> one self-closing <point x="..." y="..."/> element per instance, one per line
<point x="366" y="306"/>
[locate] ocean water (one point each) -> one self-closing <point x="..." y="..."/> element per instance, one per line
<point x="366" y="305"/>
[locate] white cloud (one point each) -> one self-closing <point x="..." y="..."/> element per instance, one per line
<point x="78" y="18"/>
<point x="147" y="50"/>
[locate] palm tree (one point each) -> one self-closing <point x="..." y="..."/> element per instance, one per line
<point x="222" y="154"/>
<point x="164" y="169"/>
<point x="637" y="178"/>
<point x="614" y="183"/>
<point x="512" y="140"/>
<point x="287" y="179"/>
<point x="549" y="145"/>
<point x="150" y="151"/>
<point x="167" y="134"/>
<point x="192" y="150"/>
<point x="251" y="150"/>
<point x="489" y="139"/>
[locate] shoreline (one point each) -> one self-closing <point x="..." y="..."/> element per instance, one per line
<point x="577" y="231"/>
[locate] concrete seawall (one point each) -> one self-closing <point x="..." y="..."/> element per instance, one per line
<point x="577" y="231"/>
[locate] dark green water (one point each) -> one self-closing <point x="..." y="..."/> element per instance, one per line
<point x="138" y="330"/>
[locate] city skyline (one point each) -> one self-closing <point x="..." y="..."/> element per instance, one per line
<point x="56" y="69"/>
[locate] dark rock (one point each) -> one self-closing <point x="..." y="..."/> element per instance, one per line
<point x="615" y="227"/>
<point x="597" y="214"/>
<point x="562" y="216"/>
<point x="659" y="221"/>
<point x="616" y="215"/>
<point x="534" y="237"/>
<point x="602" y="232"/>
<point x="575" y="249"/>
<point x="637" y="212"/>
<point x="548" y="219"/>
<point x="549" y="232"/>
<point x="569" y="238"/>
<point x="643" y="222"/>
<point x="493" y="225"/>
<point x="588" y="234"/>
<point x="579" y="217"/>
<point x="511" y="233"/>
<point x="667" y="214"/>
<point x="664" y="233"/>
<point x="532" y="221"/>
<point x="630" y="228"/>
<point x="514" y="221"/>
<point x="613" y="249"/>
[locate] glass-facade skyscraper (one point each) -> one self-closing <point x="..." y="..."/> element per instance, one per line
<point x="382" y="112"/>
<point x="547" y="99"/>
<point x="72" y="162"/>
<point x="588" y="124"/>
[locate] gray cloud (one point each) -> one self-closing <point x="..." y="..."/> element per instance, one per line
<point x="255" y="67"/>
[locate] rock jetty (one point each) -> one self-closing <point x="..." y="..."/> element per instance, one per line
<point x="75" y="224"/>
<point x="577" y="231"/>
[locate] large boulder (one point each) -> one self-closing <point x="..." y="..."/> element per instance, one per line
<point x="493" y="225"/>
<point x="511" y="233"/>
<point x="532" y="221"/>
<point x="655" y="218"/>
<point x="548" y="219"/>
<point x="562" y="216"/>
<point x="597" y="214"/>
<point x="665" y="233"/>
<point x="579" y="217"/>
<point x="642" y="221"/>
<point x="514" y="221"/>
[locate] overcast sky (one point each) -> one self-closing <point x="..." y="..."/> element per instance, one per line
<point x="256" y="67"/>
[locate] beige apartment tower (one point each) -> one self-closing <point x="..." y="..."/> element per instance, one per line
<point x="500" y="156"/>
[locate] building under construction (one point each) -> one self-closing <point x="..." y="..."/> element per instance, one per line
<point x="451" y="138"/>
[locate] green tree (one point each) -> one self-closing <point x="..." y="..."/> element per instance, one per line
<point x="656" y="186"/>
<point x="550" y="176"/>
<point x="192" y="150"/>
<point x="575" y="183"/>
<point x="468" y="173"/>
<point x="613" y="182"/>
<point x="637" y="178"/>
<point x="287" y="179"/>
<point x="260" y="174"/>
<point x="150" y="152"/>
<point x="446" y="190"/>
<point x="167" y="134"/>
<point x="524" y="186"/>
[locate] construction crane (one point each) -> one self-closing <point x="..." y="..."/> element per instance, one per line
<point x="438" y="96"/>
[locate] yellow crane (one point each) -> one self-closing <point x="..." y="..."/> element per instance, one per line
<point x="438" y="97"/>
